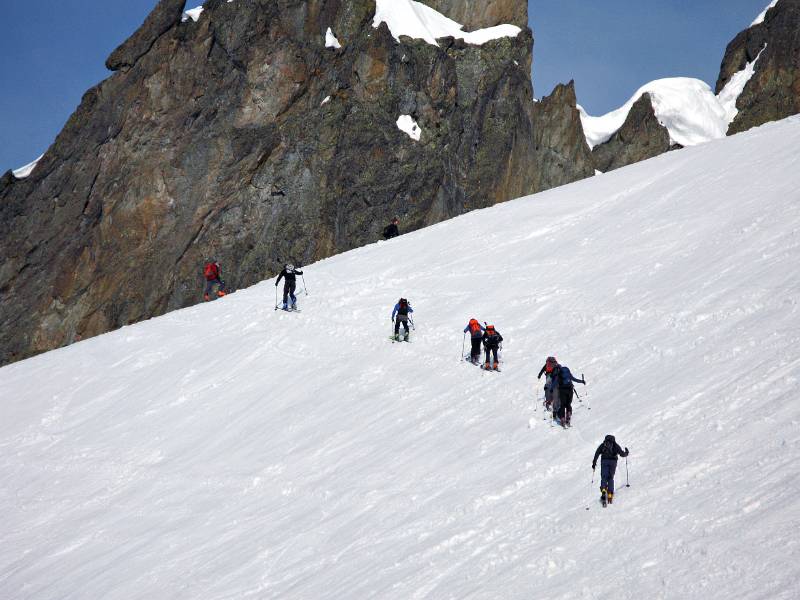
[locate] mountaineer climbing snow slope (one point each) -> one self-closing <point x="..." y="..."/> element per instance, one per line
<point x="229" y="450"/>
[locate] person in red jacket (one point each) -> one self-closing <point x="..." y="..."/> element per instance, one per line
<point x="213" y="275"/>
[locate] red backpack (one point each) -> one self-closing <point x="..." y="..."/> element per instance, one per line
<point x="211" y="271"/>
<point x="550" y="364"/>
<point x="474" y="326"/>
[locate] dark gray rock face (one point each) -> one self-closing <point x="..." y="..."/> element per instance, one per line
<point x="640" y="137"/>
<point x="166" y="14"/>
<point x="773" y="93"/>
<point x="561" y="148"/>
<point x="488" y="13"/>
<point x="242" y="137"/>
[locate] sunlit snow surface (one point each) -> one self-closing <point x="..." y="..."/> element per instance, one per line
<point x="416" y="20"/>
<point x="230" y="451"/>
<point x="760" y="18"/>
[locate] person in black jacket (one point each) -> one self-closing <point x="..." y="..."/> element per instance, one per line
<point x="491" y="343"/>
<point x="391" y="229"/>
<point x="289" y="274"/>
<point x="609" y="450"/>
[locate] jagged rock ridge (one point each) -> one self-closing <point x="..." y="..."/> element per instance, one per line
<point x="215" y="138"/>
<point x="640" y="137"/>
<point x="773" y="92"/>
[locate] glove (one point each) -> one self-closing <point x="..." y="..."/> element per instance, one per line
<point x="594" y="467"/>
<point x="583" y="382"/>
<point x="626" y="450"/>
<point x="276" y="284"/>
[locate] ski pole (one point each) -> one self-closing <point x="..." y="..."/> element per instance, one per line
<point x="305" y="287"/>
<point x="276" y="297"/>
<point x="463" y="342"/>
<point x="410" y="320"/>
<point x="627" y="474"/>
<point x="591" y="485"/>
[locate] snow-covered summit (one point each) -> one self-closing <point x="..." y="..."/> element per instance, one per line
<point x="416" y="20"/>
<point x="231" y="451"/>
<point x="687" y="107"/>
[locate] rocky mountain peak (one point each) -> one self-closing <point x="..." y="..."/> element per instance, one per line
<point x="773" y="92"/>
<point x="242" y="136"/>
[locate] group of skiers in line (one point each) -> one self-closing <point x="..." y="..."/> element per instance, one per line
<point x="559" y="387"/>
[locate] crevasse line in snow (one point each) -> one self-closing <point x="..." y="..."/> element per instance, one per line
<point x="760" y="18"/>
<point x="415" y="20"/>
<point x="25" y="171"/>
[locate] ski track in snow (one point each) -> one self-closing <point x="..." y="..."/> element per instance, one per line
<point x="231" y="451"/>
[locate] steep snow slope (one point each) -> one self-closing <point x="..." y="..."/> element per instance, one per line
<point x="230" y="451"/>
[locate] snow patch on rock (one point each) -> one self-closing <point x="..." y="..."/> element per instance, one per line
<point x="415" y="20"/>
<point x="330" y="40"/>
<point x="193" y="14"/>
<point x="733" y="89"/>
<point x="25" y="171"/>
<point x="760" y="18"/>
<point x="409" y="126"/>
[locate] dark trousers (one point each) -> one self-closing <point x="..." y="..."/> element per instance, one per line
<point x="491" y="350"/>
<point x="475" y="353"/>
<point x="288" y="290"/>
<point x="401" y="319"/>
<point x="565" y="403"/>
<point x="211" y="283"/>
<point x="607" y="470"/>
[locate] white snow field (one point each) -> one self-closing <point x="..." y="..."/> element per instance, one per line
<point x="230" y="451"/>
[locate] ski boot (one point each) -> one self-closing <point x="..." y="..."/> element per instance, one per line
<point x="206" y="297"/>
<point x="285" y="306"/>
<point x="603" y="497"/>
<point x="405" y="338"/>
<point x="294" y="305"/>
<point x="496" y="366"/>
<point x="396" y="337"/>
<point x="486" y="366"/>
<point x="220" y="293"/>
<point x="610" y="497"/>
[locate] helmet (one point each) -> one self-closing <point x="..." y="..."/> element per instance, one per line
<point x="490" y="328"/>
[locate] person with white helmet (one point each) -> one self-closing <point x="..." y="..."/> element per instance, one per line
<point x="289" y="275"/>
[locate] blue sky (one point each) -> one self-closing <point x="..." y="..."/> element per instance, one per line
<point x="52" y="51"/>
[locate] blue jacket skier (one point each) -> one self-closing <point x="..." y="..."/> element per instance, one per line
<point x="563" y="379"/>
<point x="401" y="311"/>
<point x="609" y="450"/>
